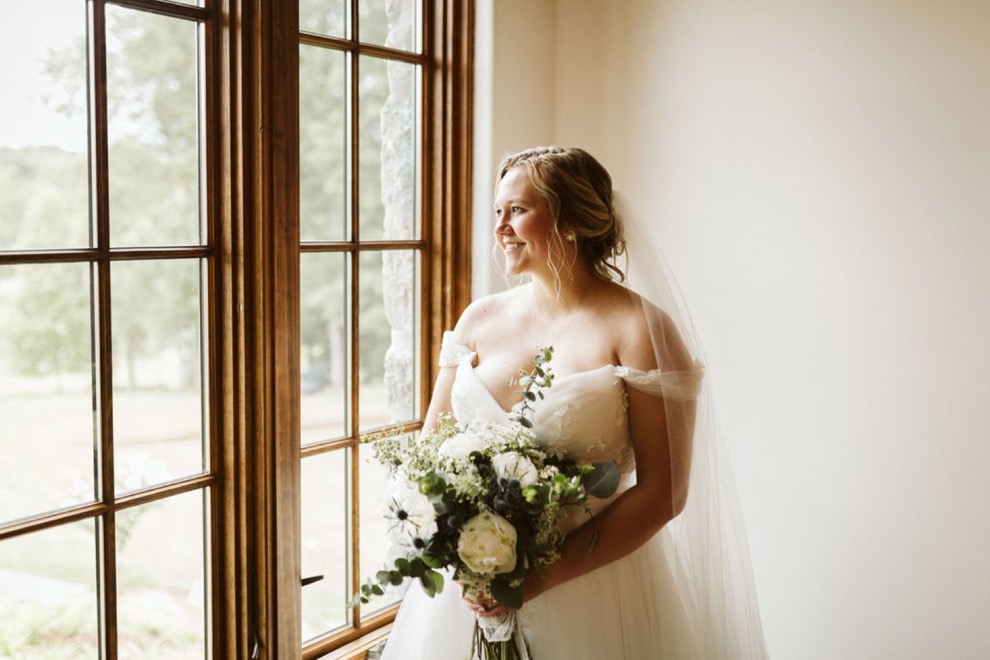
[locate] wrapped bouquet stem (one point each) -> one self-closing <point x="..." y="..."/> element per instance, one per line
<point x="499" y="638"/>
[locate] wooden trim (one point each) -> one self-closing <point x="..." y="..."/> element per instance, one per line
<point x="165" y="8"/>
<point x="353" y="414"/>
<point x="358" y="649"/>
<point x="271" y="309"/>
<point x="374" y="50"/>
<point x="106" y="524"/>
<point x="449" y="193"/>
<point x="235" y="611"/>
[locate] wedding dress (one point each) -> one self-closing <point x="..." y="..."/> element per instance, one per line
<point x="646" y="605"/>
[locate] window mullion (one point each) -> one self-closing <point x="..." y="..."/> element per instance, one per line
<point x="99" y="136"/>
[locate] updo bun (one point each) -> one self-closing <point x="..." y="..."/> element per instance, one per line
<point x="578" y="192"/>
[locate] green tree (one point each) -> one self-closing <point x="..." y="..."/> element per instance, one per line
<point x="155" y="193"/>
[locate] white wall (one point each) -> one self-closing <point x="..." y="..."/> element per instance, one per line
<point x="514" y="105"/>
<point x="820" y="175"/>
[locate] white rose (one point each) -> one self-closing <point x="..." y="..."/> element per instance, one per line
<point x="488" y="544"/>
<point x="461" y="445"/>
<point x="513" y="465"/>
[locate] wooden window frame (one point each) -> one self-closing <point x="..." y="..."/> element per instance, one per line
<point x="259" y="207"/>
<point x="251" y="147"/>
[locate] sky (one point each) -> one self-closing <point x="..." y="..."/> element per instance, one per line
<point x="28" y="31"/>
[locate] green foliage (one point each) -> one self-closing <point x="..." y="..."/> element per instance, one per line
<point x="418" y="568"/>
<point x="47" y="319"/>
<point x="533" y="383"/>
<point x="602" y="479"/>
<point x="154" y="152"/>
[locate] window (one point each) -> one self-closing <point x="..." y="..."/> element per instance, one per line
<point x="227" y="249"/>
<point x="106" y="349"/>
<point x="365" y="261"/>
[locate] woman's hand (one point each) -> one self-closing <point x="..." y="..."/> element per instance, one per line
<point x="482" y="606"/>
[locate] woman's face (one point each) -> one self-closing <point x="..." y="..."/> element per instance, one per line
<point x="522" y="223"/>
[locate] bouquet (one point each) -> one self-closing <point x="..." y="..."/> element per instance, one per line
<point x="485" y="501"/>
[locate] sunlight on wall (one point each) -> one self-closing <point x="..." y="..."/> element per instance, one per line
<point x="818" y="174"/>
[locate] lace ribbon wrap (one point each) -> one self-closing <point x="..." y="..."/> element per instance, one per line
<point x="504" y="628"/>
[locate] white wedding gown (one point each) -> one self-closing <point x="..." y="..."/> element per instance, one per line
<point x="630" y="609"/>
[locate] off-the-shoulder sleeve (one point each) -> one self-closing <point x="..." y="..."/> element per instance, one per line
<point x="671" y="385"/>
<point x="451" y="353"/>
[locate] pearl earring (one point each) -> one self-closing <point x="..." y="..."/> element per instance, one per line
<point x="570" y="236"/>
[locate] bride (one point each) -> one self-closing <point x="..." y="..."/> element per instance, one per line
<point x="661" y="569"/>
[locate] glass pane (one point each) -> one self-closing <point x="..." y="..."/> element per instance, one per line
<point x="389" y="184"/>
<point x="323" y="345"/>
<point x="48" y="601"/>
<point x="44" y="177"/>
<point x="161" y="568"/>
<point x="392" y="23"/>
<point x="325" y="542"/>
<point x="375" y="543"/>
<point x="153" y="129"/>
<point x="46" y="388"/>
<point x="324" y="17"/>
<point x="322" y="150"/>
<point x="157" y="372"/>
<point x="389" y="377"/>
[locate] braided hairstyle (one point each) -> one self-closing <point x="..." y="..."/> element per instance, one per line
<point x="578" y="193"/>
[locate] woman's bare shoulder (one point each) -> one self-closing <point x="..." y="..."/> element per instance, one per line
<point x="647" y="332"/>
<point x="485" y="315"/>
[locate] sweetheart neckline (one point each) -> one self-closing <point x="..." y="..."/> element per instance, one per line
<point x="557" y="379"/>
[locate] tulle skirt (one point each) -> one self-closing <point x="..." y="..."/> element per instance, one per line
<point x="627" y="610"/>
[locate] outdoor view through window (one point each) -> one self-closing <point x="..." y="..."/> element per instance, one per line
<point x="109" y="316"/>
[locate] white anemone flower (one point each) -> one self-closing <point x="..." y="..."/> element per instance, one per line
<point x="412" y="519"/>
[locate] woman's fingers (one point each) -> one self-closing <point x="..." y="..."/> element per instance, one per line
<point x="484" y="606"/>
<point x="494" y="611"/>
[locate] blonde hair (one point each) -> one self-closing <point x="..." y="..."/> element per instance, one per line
<point x="578" y="193"/>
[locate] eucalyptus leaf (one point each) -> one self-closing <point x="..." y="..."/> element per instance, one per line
<point x="506" y="594"/>
<point x="432" y="582"/>
<point x="431" y="561"/>
<point x="428" y="585"/>
<point x="602" y="481"/>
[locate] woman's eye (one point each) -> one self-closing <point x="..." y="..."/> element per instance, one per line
<point x="517" y="209"/>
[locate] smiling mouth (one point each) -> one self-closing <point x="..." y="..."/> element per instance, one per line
<point x="512" y="247"/>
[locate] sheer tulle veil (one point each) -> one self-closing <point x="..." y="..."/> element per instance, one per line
<point x="687" y="592"/>
<point x="705" y="546"/>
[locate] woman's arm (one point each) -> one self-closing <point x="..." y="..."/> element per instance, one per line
<point x="440" y="399"/>
<point x="640" y="512"/>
